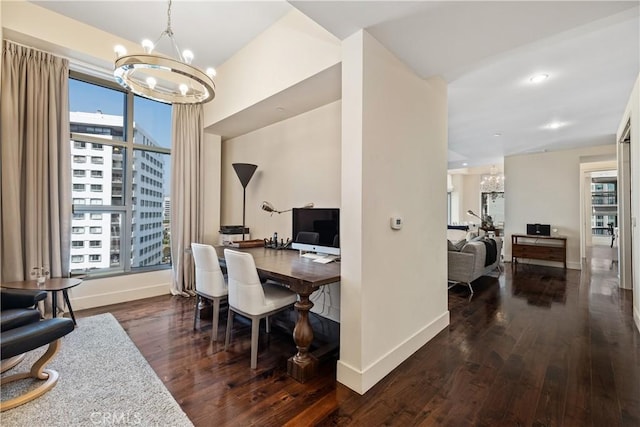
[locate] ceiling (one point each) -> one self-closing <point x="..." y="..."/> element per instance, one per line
<point x="486" y="51"/>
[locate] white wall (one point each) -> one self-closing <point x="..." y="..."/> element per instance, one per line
<point x="290" y="51"/>
<point x="36" y="26"/>
<point x="298" y="162"/>
<point x="471" y="199"/>
<point x="394" y="157"/>
<point x="632" y="112"/>
<point x="212" y="187"/>
<point x="545" y="188"/>
<point x="457" y="189"/>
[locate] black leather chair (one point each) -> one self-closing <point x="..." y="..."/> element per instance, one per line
<point x="22" y="331"/>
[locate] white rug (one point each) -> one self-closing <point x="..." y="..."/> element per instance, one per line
<point x="104" y="380"/>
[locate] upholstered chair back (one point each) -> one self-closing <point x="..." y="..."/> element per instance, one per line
<point x="245" y="290"/>
<point x="209" y="277"/>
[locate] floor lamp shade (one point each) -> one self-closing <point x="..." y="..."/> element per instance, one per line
<point x="245" y="172"/>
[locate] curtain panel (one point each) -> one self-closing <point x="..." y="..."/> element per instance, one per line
<point x="35" y="192"/>
<point x="186" y="193"/>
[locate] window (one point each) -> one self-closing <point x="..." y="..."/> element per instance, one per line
<point x="78" y="216"/>
<point x="75" y="244"/>
<point x="78" y="187"/>
<point x="133" y="136"/>
<point x="77" y="258"/>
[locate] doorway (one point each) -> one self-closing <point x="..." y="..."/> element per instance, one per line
<point x="624" y="193"/>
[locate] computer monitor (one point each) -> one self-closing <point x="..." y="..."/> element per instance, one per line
<point x="323" y="221"/>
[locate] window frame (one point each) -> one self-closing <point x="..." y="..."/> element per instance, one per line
<point x="128" y="187"/>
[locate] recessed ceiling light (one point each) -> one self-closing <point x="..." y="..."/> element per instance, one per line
<point x="465" y="164"/>
<point x="497" y="134"/>
<point x="554" y="125"/>
<point x="539" y="78"/>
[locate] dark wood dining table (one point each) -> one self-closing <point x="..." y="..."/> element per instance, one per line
<point x="303" y="276"/>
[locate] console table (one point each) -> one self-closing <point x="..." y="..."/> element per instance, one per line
<point x="548" y="248"/>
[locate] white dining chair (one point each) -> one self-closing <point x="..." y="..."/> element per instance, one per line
<point x="251" y="299"/>
<point x="210" y="282"/>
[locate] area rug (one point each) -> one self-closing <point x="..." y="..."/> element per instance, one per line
<point x="104" y="380"/>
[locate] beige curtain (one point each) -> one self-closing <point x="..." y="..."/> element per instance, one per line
<point x="35" y="192"/>
<point x="186" y="193"/>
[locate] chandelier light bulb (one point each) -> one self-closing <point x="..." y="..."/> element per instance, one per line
<point x="147" y="45"/>
<point x="187" y="55"/>
<point x="119" y="50"/>
<point x="151" y="82"/>
<point x="211" y="72"/>
<point x="168" y="78"/>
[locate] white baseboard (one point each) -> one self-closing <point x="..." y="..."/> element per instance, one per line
<point x="362" y="380"/>
<point x="571" y="265"/>
<point x="119" y="296"/>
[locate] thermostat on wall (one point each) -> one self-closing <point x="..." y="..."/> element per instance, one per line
<point x="396" y="222"/>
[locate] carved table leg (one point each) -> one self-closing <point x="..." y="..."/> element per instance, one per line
<point x="303" y="365"/>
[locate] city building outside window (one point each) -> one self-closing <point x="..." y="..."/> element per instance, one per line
<point x="127" y="173"/>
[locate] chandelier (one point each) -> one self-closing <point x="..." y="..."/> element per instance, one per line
<point x="162" y="78"/>
<point x="492" y="183"/>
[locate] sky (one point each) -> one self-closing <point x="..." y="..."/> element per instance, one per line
<point x="152" y="116"/>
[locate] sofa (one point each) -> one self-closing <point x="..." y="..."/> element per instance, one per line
<point x="470" y="261"/>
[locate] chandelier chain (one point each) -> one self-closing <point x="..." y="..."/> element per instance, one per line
<point x="169" y="31"/>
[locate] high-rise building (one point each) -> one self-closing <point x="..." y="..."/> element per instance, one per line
<point x="167" y="209"/>
<point x="98" y="179"/>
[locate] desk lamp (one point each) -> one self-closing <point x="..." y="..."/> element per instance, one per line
<point x="266" y="206"/>
<point x="486" y="222"/>
<point x="245" y="172"/>
<point x="470" y="212"/>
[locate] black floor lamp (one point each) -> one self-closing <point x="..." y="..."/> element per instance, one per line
<point x="245" y="172"/>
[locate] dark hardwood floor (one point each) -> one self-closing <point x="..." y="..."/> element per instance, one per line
<point x="537" y="347"/>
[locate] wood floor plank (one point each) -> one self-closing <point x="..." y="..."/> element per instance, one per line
<point x="536" y="346"/>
